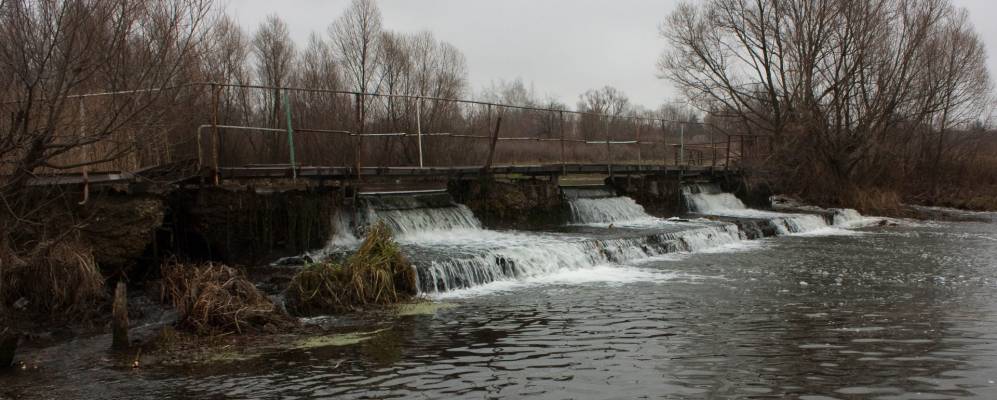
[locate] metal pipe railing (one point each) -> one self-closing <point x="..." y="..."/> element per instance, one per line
<point x="694" y="153"/>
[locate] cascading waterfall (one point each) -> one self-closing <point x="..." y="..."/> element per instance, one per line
<point x="710" y="200"/>
<point x="847" y="217"/>
<point x="451" y="250"/>
<point x="533" y="255"/>
<point x="408" y="215"/>
<point x="617" y="210"/>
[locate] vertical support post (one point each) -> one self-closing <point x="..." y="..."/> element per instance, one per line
<point x="82" y="131"/>
<point x="744" y="152"/>
<point x="491" y="148"/>
<point x="564" y="168"/>
<point x="358" y="99"/>
<point x="682" y="143"/>
<point x="119" y="311"/>
<point x="609" y="150"/>
<point x="418" y="126"/>
<point x="8" y="346"/>
<point x="713" y="147"/>
<point x="727" y="160"/>
<point x="664" y="144"/>
<point x="215" y="136"/>
<point x="290" y="135"/>
<point x="640" y="161"/>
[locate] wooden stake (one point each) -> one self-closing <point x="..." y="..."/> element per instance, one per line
<point x="119" y="322"/>
<point x="8" y="345"/>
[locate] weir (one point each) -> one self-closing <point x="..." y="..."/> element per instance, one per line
<point x="601" y="205"/>
<point x="709" y="199"/>
<point x="410" y="214"/>
<point x="451" y="250"/>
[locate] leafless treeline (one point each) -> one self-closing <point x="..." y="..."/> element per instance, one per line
<point x="124" y="85"/>
<point x="855" y="93"/>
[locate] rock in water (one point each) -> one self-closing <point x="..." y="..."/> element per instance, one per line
<point x="8" y="345"/>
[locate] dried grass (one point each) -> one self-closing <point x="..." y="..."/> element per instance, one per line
<point x="56" y="278"/>
<point x="377" y="274"/>
<point x="213" y="298"/>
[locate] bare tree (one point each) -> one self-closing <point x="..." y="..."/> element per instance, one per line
<point x="357" y="37"/>
<point x="274" y="52"/>
<point x="51" y="51"/>
<point x="51" y="54"/>
<point x="842" y="85"/>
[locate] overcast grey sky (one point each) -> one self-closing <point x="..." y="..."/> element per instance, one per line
<point x="563" y="47"/>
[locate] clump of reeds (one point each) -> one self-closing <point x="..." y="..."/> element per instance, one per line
<point x="377" y="274"/>
<point x="213" y="298"/>
<point x="56" y="278"/>
<point x="871" y="200"/>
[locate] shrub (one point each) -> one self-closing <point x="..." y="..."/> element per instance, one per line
<point x="377" y="274"/>
<point x="56" y="278"/>
<point x="212" y="298"/>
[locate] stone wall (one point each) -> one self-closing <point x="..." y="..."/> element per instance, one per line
<point x="659" y="195"/>
<point x="512" y="203"/>
<point x="249" y="227"/>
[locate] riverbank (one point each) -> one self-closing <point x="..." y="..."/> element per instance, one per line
<point x="459" y="264"/>
<point x="849" y="306"/>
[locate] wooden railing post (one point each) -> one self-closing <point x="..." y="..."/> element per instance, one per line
<point x="418" y="126"/>
<point x="640" y="161"/>
<point x="682" y="143"/>
<point x="609" y="149"/>
<point x="564" y="167"/>
<point x="358" y="99"/>
<point x="664" y="144"/>
<point x="216" y="137"/>
<point x="727" y="159"/>
<point x="290" y="136"/>
<point x="713" y="147"/>
<point x="494" y="142"/>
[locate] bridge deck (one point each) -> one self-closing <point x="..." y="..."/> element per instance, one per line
<point x="414" y="173"/>
<point x="458" y="171"/>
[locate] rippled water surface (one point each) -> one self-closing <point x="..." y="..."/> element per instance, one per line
<point x="892" y="312"/>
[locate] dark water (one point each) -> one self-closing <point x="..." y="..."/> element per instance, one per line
<point x="896" y="312"/>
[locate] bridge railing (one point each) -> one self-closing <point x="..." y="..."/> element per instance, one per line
<point x="229" y="126"/>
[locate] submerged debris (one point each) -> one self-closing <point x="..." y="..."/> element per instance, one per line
<point x="377" y="274"/>
<point x="337" y="340"/>
<point x="212" y="298"/>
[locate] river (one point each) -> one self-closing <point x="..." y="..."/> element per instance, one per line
<point x="902" y="311"/>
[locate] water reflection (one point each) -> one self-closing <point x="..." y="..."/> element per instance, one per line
<point x="903" y="312"/>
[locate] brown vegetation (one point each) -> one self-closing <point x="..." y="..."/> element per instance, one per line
<point x="848" y="96"/>
<point x="377" y="274"/>
<point x="212" y="298"/>
<point x="56" y="279"/>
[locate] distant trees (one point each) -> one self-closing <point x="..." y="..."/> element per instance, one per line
<point x="849" y="89"/>
<point x="274" y="56"/>
<point x="51" y="52"/>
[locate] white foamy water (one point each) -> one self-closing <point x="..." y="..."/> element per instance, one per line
<point x="411" y="223"/>
<point x="497" y="256"/>
<point x="452" y="252"/>
<point x="609" y="210"/>
<point x="710" y="200"/>
<point x="607" y="274"/>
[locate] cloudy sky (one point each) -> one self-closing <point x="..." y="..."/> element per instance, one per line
<point x="563" y="47"/>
